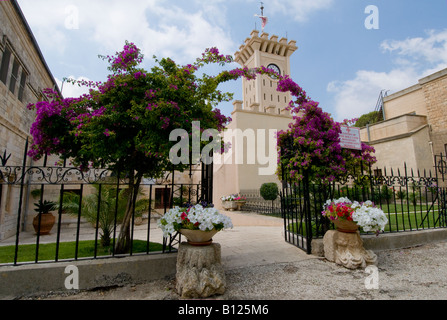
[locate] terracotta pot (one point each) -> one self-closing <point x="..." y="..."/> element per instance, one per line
<point x="346" y="226"/>
<point x="138" y="221"/>
<point x="198" y="237"/>
<point x="46" y="223"/>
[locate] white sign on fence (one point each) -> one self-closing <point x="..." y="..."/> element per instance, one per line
<point x="350" y="138"/>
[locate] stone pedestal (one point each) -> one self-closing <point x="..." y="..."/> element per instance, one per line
<point x="199" y="271"/>
<point x="229" y="205"/>
<point x="347" y="249"/>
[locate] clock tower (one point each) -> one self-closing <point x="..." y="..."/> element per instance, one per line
<point x="252" y="159"/>
<point x="260" y="95"/>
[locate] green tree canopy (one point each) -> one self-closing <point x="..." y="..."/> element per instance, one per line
<point x="369" y="118"/>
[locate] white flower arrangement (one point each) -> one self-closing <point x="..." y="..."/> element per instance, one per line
<point x="193" y="218"/>
<point x="365" y="214"/>
<point x="369" y="217"/>
<point x="231" y="197"/>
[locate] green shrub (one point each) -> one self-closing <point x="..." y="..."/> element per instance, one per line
<point x="401" y="194"/>
<point x="369" y="118"/>
<point x="386" y="193"/>
<point x="269" y="191"/>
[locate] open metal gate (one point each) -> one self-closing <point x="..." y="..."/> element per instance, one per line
<point x="413" y="201"/>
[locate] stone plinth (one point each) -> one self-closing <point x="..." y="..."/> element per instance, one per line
<point x="199" y="271"/>
<point x="346" y="249"/>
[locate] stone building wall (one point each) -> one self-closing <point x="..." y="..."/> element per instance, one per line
<point x="32" y="76"/>
<point x="23" y="75"/>
<point x="410" y="100"/>
<point x="415" y="126"/>
<point x="435" y="93"/>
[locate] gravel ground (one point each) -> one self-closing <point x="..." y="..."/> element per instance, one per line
<point x="418" y="273"/>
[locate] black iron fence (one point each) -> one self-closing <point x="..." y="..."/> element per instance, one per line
<point x="255" y="203"/>
<point x="411" y="200"/>
<point x="87" y="209"/>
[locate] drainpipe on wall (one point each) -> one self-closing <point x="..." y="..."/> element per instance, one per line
<point x="369" y="134"/>
<point x="432" y="152"/>
<point x="27" y="199"/>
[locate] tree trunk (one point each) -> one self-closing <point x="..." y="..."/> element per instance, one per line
<point x="124" y="240"/>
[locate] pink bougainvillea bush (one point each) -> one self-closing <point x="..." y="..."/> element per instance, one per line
<point x="311" y="144"/>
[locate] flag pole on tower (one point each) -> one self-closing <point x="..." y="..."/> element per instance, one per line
<point x="263" y="18"/>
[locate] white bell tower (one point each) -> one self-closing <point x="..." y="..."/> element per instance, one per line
<point x="256" y="119"/>
<point x="260" y="95"/>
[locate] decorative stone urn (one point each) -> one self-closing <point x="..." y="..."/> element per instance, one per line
<point x="346" y="249"/>
<point x="239" y="204"/>
<point x="200" y="273"/>
<point x="229" y="205"/>
<point x="198" y="237"/>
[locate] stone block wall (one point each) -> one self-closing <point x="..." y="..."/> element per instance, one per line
<point x="28" y="68"/>
<point x="435" y="92"/>
<point x="15" y="118"/>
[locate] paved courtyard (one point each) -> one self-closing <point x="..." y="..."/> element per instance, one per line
<point x="260" y="265"/>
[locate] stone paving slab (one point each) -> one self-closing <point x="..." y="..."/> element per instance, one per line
<point x="256" y="240"/>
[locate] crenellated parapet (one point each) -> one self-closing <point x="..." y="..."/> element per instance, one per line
<point x="264" y="44"/>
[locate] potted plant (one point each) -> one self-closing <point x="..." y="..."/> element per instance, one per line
<point x="197" y="223"/>
<point x="240" y="201"/>
<point x="348" y="216"/>
<point x="228" y="202"/>
<point x="44" y="221"/>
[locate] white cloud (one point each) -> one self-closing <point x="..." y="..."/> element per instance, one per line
<point x="414" y="58"/>
<point x="432" y="49"/>
<point x="359" y="95"/>
<point x="70" y="90"/>
<point x="49" y="20"/>
<point x="158" y="27"/>
<point x="214" y="10"/>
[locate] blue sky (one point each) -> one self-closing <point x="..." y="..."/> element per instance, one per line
<point x="339" y="63"/>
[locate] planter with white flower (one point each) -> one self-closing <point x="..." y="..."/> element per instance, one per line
<point x="348" y="216"/>
<point x="344" y="245"/>
<point x="229" y="203"/>
<point x="197" y="223"/>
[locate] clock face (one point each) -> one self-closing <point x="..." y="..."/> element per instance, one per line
<point x="275" y="68"/>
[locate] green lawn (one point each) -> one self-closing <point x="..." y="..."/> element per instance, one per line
<point x="399" y="208"/>
<point x="47" y="252"/>
<point x="413" y="220"/>
<point x="396" y="221"/>
<point x="301" y="228"/>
